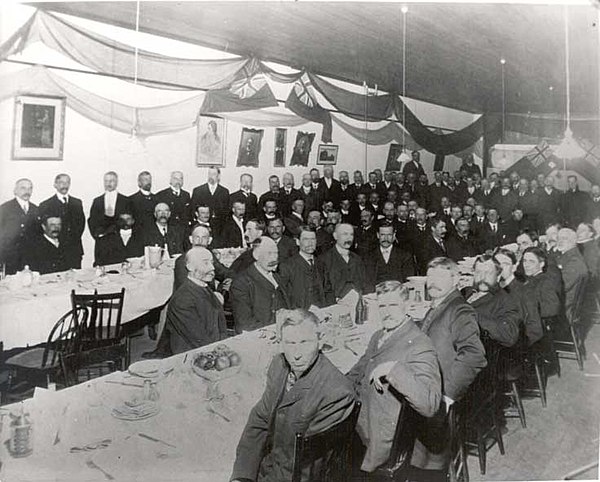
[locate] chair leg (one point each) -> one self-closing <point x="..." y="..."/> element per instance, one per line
<point x="519" y="403"/>
<point x="498" y="429"/>
<point x="481" y="451"/>
<point x="577" y="347"/>
<point x="540" y="380"/>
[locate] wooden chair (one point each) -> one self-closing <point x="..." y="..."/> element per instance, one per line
<point x="398" y="464"/>
<point x="573" y="348"/>
<point x="43" y="360"/>
<point x="324" y="456"/>
<point x="105" y="310"/>
<point x="511" y="372"/>
<point x="458" y="469"/>
<point x="94" y="362"/>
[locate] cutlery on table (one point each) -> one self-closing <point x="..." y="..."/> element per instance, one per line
<point x="93" y="446"/>
<point x="212" y="410"/>
<point x="148" y="437"/>
<point x="124" y="383"/>
<point x="347" y="347"/>
<point x="92" y="465"/>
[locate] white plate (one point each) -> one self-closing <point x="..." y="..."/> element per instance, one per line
<point x="146" y="368"/>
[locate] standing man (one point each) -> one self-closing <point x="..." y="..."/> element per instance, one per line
<point x="414" y="165"/>
<point x="273" y="194"/>
<point x="341" y="270"/>
<point x="213" y="195"/>
<point x="295" y="219"/>
<point x="575" y="204"/>
<point x="366" y="235"/>
<point x="19" y="220"/>
<point x="159" y="233"/>
<point x="549" y="204"/>
<point x="70" y="210"/>
<point x="493" y="234"/>
<point x="246" y="195"/>
<point x="177" y="199"/>
<point x="356" y="186"/>
<point x="309" y="194"/>
<point x="143" y="202"/>
<point x="329" y="188"/>
<point x="288" y="195"/>
<point x="106" y="208"/>
<point x="469" y="167"/>
<point x="299" y="278"/>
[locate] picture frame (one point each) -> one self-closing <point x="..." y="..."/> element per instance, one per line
<point x="280" y="147"/>
<point x="302" y="148"/>
<point x="39" y="127"/>
<point x="249" y="150"/>
<point x="327" y="155"/>
<point x="211" y="140"/>
<point x="392" y="163"/>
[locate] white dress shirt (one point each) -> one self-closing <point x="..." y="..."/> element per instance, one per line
<point x="240" y="224"/>
<point x="344" y="253"/>
<point x="110" y="203"/>
<point x="63" y="199"/>
<point x="386" y="252"/>
<point x="267" y="274"/>
<point x="212" y="188"/>
<point x="52" y="240"/>
<point x="24" y="204"/>
<point x="125" y="235"/>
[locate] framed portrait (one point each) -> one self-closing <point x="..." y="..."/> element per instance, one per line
<point x="39" y="128"/>
<point x="210" y="141"/>
<point x="327" y="155"/>
<point x="250" y="142"/>
<point x="280" y="142"/>
<point x="302" y="148"/>
<point x="393" y="164"/>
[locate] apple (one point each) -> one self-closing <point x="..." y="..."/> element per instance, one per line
<point x="222" y="363"/>
<point x="235" y="359"/>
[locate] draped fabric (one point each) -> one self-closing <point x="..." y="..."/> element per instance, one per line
<point x="391" y="132"/>
<point x="304" y="105"/>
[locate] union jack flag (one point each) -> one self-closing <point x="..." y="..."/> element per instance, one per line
<point x="303" y="88"/>
<point x="248" y="81"/>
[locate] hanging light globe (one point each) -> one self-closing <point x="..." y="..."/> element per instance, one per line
<point x="569" y="148"/>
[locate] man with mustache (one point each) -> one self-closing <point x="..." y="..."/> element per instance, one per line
<point x="119" y="244"/>
<point x="46" y="254"/>
<point x="160" y="233"/>
<point x="143" y="202"/>
<point x="341" y="270"/>
<point x="257" y="293"/>
<point x="195" y="315"/>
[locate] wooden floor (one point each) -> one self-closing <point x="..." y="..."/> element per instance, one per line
<point x="558" y="439"/>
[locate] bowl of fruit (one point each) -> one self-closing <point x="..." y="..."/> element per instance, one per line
<point x="217" y="364"/>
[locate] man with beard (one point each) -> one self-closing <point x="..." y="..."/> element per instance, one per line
<point x="195" y="315"/>
<point x="497" y="312"/>
<point x="143" y="202"/>
<point x="159" y="233"/>
<point x="119" y="244"/>
<point x="256" y="294"/>
<point x="344" y="184"/>
<point x="299" y="278"/>
<point x="309" y="194"/>
<point x="177" y="199"/>
<point x="45" y="253"/>
<point x="402" y="228"/>
<point x="356" y="186"/>
<point x="341" y="270"/>
<point x="461" y="244"/>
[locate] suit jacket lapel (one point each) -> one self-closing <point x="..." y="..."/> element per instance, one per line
<point x="302" y="384"/>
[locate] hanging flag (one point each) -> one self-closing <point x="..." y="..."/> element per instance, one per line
<point x="248" y="91"/>
<point x="303" y="103"/>
<point x="540" y="160"/>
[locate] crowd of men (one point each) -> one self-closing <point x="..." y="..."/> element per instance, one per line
<point x="313" y="244"/>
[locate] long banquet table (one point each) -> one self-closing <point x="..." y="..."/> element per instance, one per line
<point x="28" y="314"/>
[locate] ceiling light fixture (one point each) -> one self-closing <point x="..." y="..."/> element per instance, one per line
<point x="404" y="157"/>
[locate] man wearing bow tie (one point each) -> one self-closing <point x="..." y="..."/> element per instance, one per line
<point x="106" y="208"/>
<point x="70" y="210"/>
<point x="177" y="199"/>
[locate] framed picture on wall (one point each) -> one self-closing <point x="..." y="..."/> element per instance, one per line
<point x="39" y="128"/>
<point x="327" y="155"/>
<point x="302" y="148"/>
<point x="393" y="164"/>
<point x="250" y="143"/>
<point x="210" y="141"/>
<point x="280" y="142"/>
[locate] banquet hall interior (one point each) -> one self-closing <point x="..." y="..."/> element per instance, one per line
<point x="299" y="241"/>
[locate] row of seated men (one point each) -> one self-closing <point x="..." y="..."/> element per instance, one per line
<point x="211" y="203"/>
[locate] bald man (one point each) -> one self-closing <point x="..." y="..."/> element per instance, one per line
<point x="341" y="269"/>
<point x="195" y="315"/>
<point x="256" y="294"/>
<point x="161" y="233"/>
<point x="19" y="224"/>
<point x="177" y="199"/>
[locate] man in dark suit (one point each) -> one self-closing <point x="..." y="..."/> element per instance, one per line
<point x="528" y="202"/>
<point x="299" y="278"/>
<point x="486" y="194"/>
<point x="177" y="199"/>
<point x="572" y="266"/>
<point x="356" y="186"/>
<point x="270" y="210"/>
<point x="357" y="208"/>
<point x="498" y="314"/>
<point x="203" y="217"/>
<point x="506" y="200"/>
<point x="19" y="222"/>
<point x="371" y="185"/>
<point x="329" y="188"/>
<point x="106" y="209"/>
<point x="594" y="204"/>
<point x="246" y="195"/>
<point x="341" y="270"/>
<point x="437" y="190"/>
<point x="516" y="224"/>
<point x="386" y="185"/>
<point x="45" y="253"/>
<point x="309" y="194"/>
<point x="143" y="202"/>
<point x="255" y="228"/>
<point x="455" y="214"/>
<point x="366" y="234"/>
<point x="462" y="244"/>
<point x="325" y="240"/>
<point x="256" y="293"/>
<point x="232" y="234"/>
<point x="387" y="262"/>
<point x="469" y="167"/>
<point x="295" y="219"/>
<point x="119" y="244"/>
<point x="159" y="233"/>
<point x="451" y="324"/>
<point x="466" y="191"/>
<point x="213" y="195"/>
<point x="195" y="315"/>
<point x="286" y="246"/>
<point x="434" y="245"/>
<point x="273" y="194"/>
<point x="549" y="204"/>
<point x="402" y="228"/>
<point x="304" y="393"/>
<point x="345" y="191"/>
<point x="400" y="360"/>
<point x="414" y="165"/>
<point x="287" y="195"/>
<point x="575" y="204"/>
<point x="70" y="210"/>
<point x="493" y="233"/>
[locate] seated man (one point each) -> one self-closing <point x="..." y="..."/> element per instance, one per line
<point x="256" y="294"/>
<point x="195" y="316"/>
<point x="286" y="246"/>
<point x="160" y="233"/>
<point x="497" y="312"/>
<point x="45" y="253"/>
<point x="118" y="244"/>
<point x="305" y="393"/>
<point x="254" y="230"/>
<point x="400" y="360"/>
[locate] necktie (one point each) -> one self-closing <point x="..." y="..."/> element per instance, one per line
<point x="64" y="199"/>
<point x="26" y="208"/>
<point x="493" y="228"/>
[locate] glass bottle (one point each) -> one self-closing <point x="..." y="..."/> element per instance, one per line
<point x="26" y="277"/>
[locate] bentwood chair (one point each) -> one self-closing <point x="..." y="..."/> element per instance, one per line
<point x="43" y="361"/>
<point x="398" y="464"/>
<point x="325" y="456"/>
<point x="458" y="469"/>
<point x="105" y="310"/>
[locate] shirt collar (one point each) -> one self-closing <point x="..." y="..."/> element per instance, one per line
<point x="306" y="256"/>
<point x="22" y="203"/>
<point x="61" y="196"/>
<point x="145" y="193"/>
<point x="55" y="242"/>
<point x="344" y="253"/>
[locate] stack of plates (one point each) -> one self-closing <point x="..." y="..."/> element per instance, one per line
<point x="135" y="410"/>
<point x="146" y="368"/>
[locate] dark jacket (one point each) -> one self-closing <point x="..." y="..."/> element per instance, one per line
<point x="292" y="225"/>
<point x="143" y="209"/>
<point x="399" y="267"/>
<point x="574" y="272"/>
<point x="242" y="263"/>
<point x="286" y="200"/>
<point x="302" y="282"/>
<point x="489" y="239"/>
<point x="320" y="399"/>
<point x="429" y="250"/>
<point x="255" y="300"/>
<point x="42" y="256"/>
<point x="365" y="240"/>
<point x="574" y="208"/>
<point x="312" y="199"/>
<point x="195" y="318"/>
<point x="505" y="204"/>
<point x="498" y="315"/>
<point x="548" y="207"/>
<point x="100" y="224"/>
<point x="73" y="225"/>
<point x="175" y="238"/>
<point x="415" y="375"/>
<point x="110" y="249"/>
<point x="217" y="202"/>
<point x="178" y="204"/>
<point x="340" y="277"/>
<point x="530" y="311"/>
<point x="458" y="247"/>
<point x="414" y="167"/>
<point x="181" y="272"/>
<point x="332" y="193"/>
<point x="250" y="200"/>
<point x="231" y="236"/>
<point x="286" y="248"/>
<point x="17" y="229"/>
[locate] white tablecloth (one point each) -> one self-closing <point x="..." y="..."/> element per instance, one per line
<point x="28" y="314"/>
